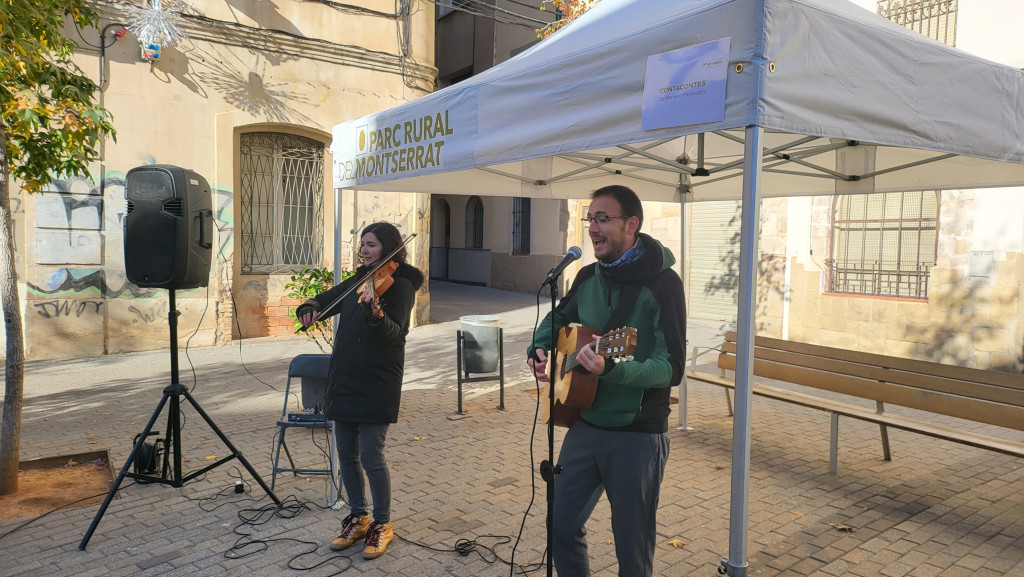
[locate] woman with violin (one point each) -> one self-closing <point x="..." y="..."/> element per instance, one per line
<point x="365" y="379"/>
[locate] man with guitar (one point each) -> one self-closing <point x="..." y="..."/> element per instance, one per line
<point x="619" y="444"/>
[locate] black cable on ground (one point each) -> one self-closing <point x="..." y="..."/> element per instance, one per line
<point x="464" y="547"/>
<point x="290" y="508"/>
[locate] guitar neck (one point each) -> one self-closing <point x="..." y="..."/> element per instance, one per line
<point x="616" y="345"/>
<point x="571" y="362"/>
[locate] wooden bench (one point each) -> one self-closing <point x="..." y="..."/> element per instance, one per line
<point x="988" y="397"/>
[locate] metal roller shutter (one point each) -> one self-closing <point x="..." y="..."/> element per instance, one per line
<point x="714" y="260"/>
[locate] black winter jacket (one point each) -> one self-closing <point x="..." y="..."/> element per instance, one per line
<point x="368" y="362"/>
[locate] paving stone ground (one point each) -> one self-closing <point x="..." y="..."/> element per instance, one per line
<point x="937" y="509"/>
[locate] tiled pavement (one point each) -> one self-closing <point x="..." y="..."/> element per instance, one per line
<point x="938" y="509"/>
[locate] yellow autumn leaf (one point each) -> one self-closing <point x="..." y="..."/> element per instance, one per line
<point x="676" y="543"/>
<point x="417" y="438"/>
<point x="210" y="457"/>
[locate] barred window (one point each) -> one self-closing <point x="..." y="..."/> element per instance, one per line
<point x="883" y="244"/>
<point x="282" y="202"/>
<point x="474" y="223"/>
<point x="935" y="19"/>
<point x="520" y="226"/>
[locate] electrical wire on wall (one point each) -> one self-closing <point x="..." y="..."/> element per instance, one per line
<point x="496" y="13"/>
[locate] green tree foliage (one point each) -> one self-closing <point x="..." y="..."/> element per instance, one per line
<point x="306" y="284"/>
<point x="50" y="126"/>
<point x="565" y="12"/>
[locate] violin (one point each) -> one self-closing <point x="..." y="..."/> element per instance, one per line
<point x="374" y="281"/>
<point x="376" y="286"/>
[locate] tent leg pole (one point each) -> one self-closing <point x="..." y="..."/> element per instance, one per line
<point x="683" y="426"/>
<point x="736" y="564"/>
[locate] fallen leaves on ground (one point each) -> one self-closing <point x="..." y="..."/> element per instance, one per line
<point x="676" y="543"/>
<point x="846" y="528"/>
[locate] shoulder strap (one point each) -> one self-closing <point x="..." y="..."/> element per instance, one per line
<point x="627" y="300"/>
<point x="581" y="277"/>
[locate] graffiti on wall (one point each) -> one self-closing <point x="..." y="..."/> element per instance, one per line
<point x="67" y="281"/>
<point x="70" y="221"/>
<point x="148" y="313"/>
<point x="64" y="308"/>
<point x="79" y="229"/>
<point x="223" y="200"/>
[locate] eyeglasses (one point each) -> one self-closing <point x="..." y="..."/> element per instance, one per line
<point x="601" y="219"/>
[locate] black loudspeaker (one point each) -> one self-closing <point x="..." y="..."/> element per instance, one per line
<point x="168" y="231"/>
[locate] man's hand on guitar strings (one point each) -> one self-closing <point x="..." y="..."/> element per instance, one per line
<point x="590" y="359"/>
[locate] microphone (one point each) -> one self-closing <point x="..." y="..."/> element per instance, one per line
<point x="573" y="254"/>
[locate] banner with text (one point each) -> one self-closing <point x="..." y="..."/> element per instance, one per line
<point x="686" y="86"/>
<point x="419" y="138"/>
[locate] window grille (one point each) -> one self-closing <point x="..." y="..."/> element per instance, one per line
<point x="474" y="223"/>
<point x="520" y="226"/>
<point x="282" y="202"/>
<point x="935" y="19"/>
<point x="883" y="244"/>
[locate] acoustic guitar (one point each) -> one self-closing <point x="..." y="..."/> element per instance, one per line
<point x="574" y="387"/>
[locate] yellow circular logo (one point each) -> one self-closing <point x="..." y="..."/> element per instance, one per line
<point x="362" y="139"/>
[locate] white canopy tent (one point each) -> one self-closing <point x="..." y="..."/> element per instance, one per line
<point x="820" y="97"/>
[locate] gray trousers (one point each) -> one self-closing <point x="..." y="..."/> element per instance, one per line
<point x="628" y="467"/>
<point x="361" y="456"/>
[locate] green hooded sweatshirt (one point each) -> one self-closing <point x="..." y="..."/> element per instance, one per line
<point x="631" y="395"/>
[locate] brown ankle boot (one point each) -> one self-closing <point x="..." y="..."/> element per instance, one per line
<point x="377" y="539"/>
<point x="353" y="528"/>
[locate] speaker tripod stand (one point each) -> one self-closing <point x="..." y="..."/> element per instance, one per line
<point x="172" y="441"/>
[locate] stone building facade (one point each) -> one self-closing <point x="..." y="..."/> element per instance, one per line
<point x="247" y="100"/>
<point x="972" y="313"/>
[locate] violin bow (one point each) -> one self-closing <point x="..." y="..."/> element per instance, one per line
<point x="369" y="275"/>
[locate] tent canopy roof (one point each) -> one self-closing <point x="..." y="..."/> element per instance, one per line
<point x="849" y="102"/>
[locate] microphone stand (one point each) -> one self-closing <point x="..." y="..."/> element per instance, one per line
<point x="548" y="469"/>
